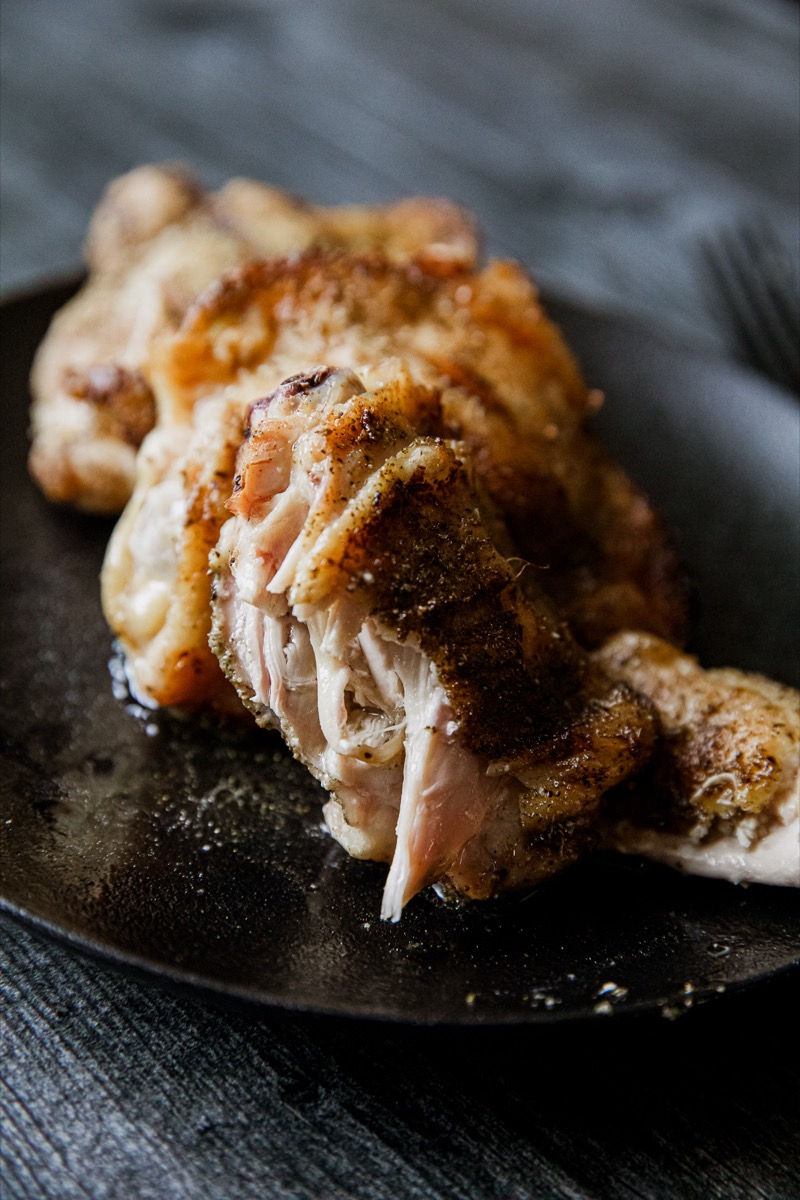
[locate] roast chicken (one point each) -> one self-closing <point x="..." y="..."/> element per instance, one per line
<point x="364" y="603"/>
<point x="365" y="507"/>
<point x="156" y="240"/>
<point x="720" y="795"/>
<point x="510" y="391"/>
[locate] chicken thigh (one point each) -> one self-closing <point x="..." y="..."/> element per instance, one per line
<point x="510" y="391"/>
<point x="721" y="794"/>
<point x="362" y="604"/>
<point x="155" y="242"/>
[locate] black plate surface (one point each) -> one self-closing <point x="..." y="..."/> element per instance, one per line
<point x="196" y="857"/>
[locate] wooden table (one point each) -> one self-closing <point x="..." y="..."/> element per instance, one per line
<point x="598" y="142"/>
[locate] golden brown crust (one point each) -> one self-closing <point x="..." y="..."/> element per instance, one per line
<point x="124" y="403"/>
<point x="728" y="745"/>
<point x="506" y="383"/>
<point x="350" y="510"/>
<point x="515" y="397"/>
<point x="156" y="240"/>
<point x="320" y="296"/>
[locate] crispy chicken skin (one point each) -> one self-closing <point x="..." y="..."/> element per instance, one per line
<point x="513" y="394"/>
<point x="155" y="242"/>
<point x="383" y="453"/>
<point x="720" y="795"/>
<point x="362" y="502"/>
<point x="510" y="391"/>
<point x="362" y="604"/>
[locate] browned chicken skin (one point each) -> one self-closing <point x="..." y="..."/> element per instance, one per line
<point x="156" y="241"/>
<point x="510" y="392"/>
<point x="383" y="453"/>
<point x="720" y="794"/>
<point x="362" y="603"/>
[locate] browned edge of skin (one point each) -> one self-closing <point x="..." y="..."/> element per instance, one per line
<point x="122" y="398"/>
<point x="193" y="365"/>
<point x="259" y="286"/>
<point x="715" y="726"/>
<point x="196" y="678"/>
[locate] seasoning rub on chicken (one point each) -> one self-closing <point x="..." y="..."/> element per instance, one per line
<point x="364" y="503"/>
<point x="156" y="240"/>
<point x="365" y="603"/>
<point x="721" y="794"/>
<point x="510" y="391"/>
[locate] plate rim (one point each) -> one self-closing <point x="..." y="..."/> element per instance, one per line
<point x="255" y="1001"/>
<point x="193" y="985"/>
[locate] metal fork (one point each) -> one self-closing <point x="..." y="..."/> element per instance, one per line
<point x="756" y="291"/>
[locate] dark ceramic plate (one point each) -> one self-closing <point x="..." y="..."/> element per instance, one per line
<point x="196" y="858"/>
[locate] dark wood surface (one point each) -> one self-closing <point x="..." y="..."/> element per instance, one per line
<point x="116" y="1090"/>
<point x="598" y="142"/>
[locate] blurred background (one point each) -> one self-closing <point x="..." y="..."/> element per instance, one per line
<point x="606" y="144"/>
<point x="599" y="141"/>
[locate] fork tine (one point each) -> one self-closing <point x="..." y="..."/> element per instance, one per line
<point x="749" y="270"/>
<point x="760" y="311"/>
<point x="778" y="291"/>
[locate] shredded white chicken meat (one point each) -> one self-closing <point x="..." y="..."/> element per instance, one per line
<point x="301" y="633"/>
